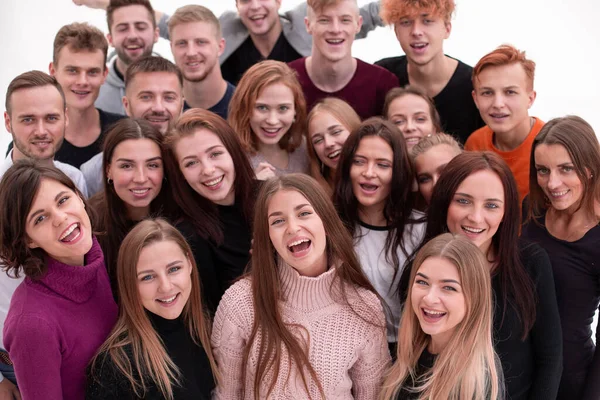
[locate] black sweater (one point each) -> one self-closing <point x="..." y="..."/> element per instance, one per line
<point x="577" y="280"/>
<point x="425" y="363"/>
<point x="196" y="378"/>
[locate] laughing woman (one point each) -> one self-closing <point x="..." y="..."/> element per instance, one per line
<point x="305" y="322"/>
<point x="63" y="311"/>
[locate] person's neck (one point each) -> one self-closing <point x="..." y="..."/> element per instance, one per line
<point x="330" y="76"/>
<point x="265" y="43"/>
<point x="274" y="155"/>
<point x="206" y="93"/>
<point x="433" y="76"/>
<point x="572" y="223"/>
<point x="17" y="155"/>
<point x="121" y="66"/>
<point x="508" y="141"/>
<point x="84" y="126"/>
<point x="438" y="343"/>
<point x="372" y="215"/>
<point x="137" y="213"/>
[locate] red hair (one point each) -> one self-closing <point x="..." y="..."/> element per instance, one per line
<point x="393" y="11"/>
<point x="505" y="55"/>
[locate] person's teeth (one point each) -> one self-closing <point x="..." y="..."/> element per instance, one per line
<point x="558" y="194"/>
<point x="169" y="300"/>
<point x="334" y="154"/>
<point x="69" y="231"/>
<point x="214" y="182"/>
<point x="297" y="242"/>
<point x="433" y="312"/>
<point x="472" y="230"/>
<point x="139" y="191"/>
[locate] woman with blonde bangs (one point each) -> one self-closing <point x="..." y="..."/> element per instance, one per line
<point x="329" y="123"/>
<point x="160" y="345"/>
<point x="268" y="112"/>
<point x="448" y="310"/>
<point x="305" y="322"/>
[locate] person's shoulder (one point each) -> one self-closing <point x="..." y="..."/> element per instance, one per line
<point x="534" y="258"/>
<point x="108" y="118"/>
<point x="479" y="140"/>
<point x="299" y="65"/>
<point x="390" y="63"/>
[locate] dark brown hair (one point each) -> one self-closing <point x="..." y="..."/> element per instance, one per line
<point x="398" y="92"/>
<point x="18" y="189"/>
<point x="32" y="79"/>
<point x="151" y="64"/>
<point x="78" y="37"/>
<point x="116" y="4"/>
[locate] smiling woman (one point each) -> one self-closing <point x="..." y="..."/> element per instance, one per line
<point x="46" y="234"/>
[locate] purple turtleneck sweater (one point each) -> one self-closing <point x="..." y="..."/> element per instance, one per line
<point x="56" y="324"/>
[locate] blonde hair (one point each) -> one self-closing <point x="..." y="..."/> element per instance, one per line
<point x="467" y="368"/>
<point x="429" y="142"/>
<point x="194" y="13"/>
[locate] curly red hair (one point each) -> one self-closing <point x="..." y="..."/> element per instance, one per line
<point x="393" y="11"/>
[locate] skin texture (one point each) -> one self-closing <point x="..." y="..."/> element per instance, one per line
<point x="37" y="122"/>
<point x="292" y="219"/>
<point x="437" y="289"/>
<point x="207" y="166"/>
<point x="429" y="166"/>
<point x="55" y="212"/>
<point x="327" y="136"/>
<point x="136" y="170"/>
<point x="478" y="205"/>
<point x="164" y="279"/>
<point x="411" y="115"/>
<point x="260" y="17"/>
<point x="425" y="30"/>
<point x="273" y="113"/>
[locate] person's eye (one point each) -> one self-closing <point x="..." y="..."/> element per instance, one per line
<point x="399" y="122"/>
<point x="216" y="154"/>
<point x="492" y="205"/>
<point x="450" y="288"/>
<point x="63" y="200"/>
<point x="405" y="22"/>
<point x="262" y="107"/>
<point x="317" y="141"/>
<point x="336" y="132"/>
<point x="542" y="171"/>
<point x="304" y="213"/>
<point x="384" y="165"/>
<point x="423" y="179"/>
<point x="421" y="282"/>
<point x="486" y="93"/>
<point x="52" y="118"/>
<point x="422" y="119"/>
<point x="462" y="201"/>
<point x="39" y="219"/>
<point x="357" y="161"/>
<point x="284" y="108"/>
<point x="146" y="278"/>
<point x="190" y="164"/>
<point x="125" y="166"/>
<point x="145" y="97"/>
<point x="154" y="165"/>
<point x="174" y="269"/>
<point x="276" y="222"/>
<point x="567" y="169"/>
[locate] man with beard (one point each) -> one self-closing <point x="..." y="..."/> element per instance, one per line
<point x="196" y="44"/>
<point x="132" y="32"/>
<point x="154" y="92"/>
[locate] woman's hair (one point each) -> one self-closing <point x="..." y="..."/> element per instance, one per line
<point x="515" y="284"/>
<point x="467" y="368"/>
<point x="112" y="221"/>
<point x="399" y="204"/>
<point x="267" y="290"/>
<point x="243" y="102"/>
<point x="429" y="142"/>
<point x="398" y="92"/>
<point x="18" y="189"/>
<point x="342" y="112"/>
<point x="580" y="141"/>
<point x="199" y="210"/>
<point x="133" y="346"/>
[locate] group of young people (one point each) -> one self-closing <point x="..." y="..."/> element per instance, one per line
<point x="270" y="217"/>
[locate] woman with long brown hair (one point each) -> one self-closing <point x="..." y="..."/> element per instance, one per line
<point x="564" y="216"/>
<point x="215" y="189"/>
<point x="160" y="345"/>
<point x="476" y="196"/>
<point x="448" y="309"/>
<point x="305" y="322"/>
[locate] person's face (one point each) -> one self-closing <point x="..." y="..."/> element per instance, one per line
<point x="164" y="279"/>
<point x="156" y="97"/>
<point x="477" y="208"/>
<point x="297" y="232"/>
<point x="80" y="74"/>
<point x="196" y="49"/>
<point x="438" y="300"/>
<point x="132" y="33"/>
<point x="429" y="166"/>
<point x="273" y="113"/>
<point x="207" y="166"/>
<point x="136" y="169"/>
<point x="557" y="176"/>
<point x="503" y="98"/>
<point x="37" y="122"/>
<point x="422" y="37"/>
<point x="333" y="29"/>
<point x="371" y="173"/>
<point x="260" y="17"/>
<point x="58" y="224"/>
<point x="410" y="113"/>
<point x="327" y="136"/>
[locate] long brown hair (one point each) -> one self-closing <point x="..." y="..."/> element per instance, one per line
<point x="467" y="368"/>
<point x="266" y="288"/>
<point x="243" y="102"/>
<point x="200" y="211"/>
<point x="149" y="362"/>
<point x="580" y="141"/>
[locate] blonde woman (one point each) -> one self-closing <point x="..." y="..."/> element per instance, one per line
<point x="448" y="311"/>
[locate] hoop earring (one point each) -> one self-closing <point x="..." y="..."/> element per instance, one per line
<point x="109" y="181"/>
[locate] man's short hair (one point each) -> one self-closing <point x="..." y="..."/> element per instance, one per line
<point x="151" y="64"/>
<point x="505" y="55"/>
<point x="194" y="13"/>
<point x="116" y="4"/>
<point x="79" y="37"/>
<point x="319" y="5"/>
<point x="392" y="11"/>
<point x="30" y="80"/>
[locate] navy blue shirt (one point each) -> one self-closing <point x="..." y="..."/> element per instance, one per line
<point x="222" y="107"/>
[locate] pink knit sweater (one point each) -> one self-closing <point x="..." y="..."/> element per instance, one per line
<point x="348" y="354"/>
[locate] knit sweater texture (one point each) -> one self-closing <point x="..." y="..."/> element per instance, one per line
<point x="348" y="354"/>
<point x="56" y="324"/>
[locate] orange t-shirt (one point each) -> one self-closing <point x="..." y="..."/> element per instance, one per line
<point x="518" y="159"/>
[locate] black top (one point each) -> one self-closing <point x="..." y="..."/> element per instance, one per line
<point x="222" y="107"/>
<point x="532" y="368"/>
<point x="577" y="280"/>
<point x="425" y="363"/>
<point x="220" y="265"/>
<point x="247" y="55"/>
<point x="454" y="103"/>
<point x="196" y="378"/>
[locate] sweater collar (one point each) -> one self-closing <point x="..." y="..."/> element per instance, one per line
<point x="305" y="293"/>
<point x="75" y="283"/>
